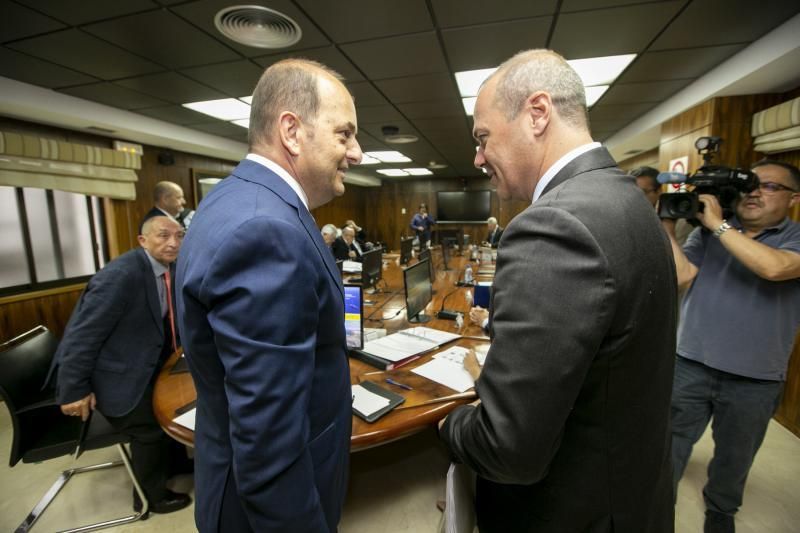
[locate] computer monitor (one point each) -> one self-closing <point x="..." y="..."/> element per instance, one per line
<point x="425" y="255"/>
<point x="354" y="317"/>
<point x="405" y="250"/>
<point x="371" y="267"/>
<point x="417" y="282"/>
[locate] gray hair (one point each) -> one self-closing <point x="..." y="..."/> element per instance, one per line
<point x="288" y="85"/>
<point x="330" y="229"/>
<point x="541" y="70"/>
<point x="491" y="220"/>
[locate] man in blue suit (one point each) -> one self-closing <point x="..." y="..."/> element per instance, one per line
<point x="261" y="314"/>
<point x="116" y="341"/>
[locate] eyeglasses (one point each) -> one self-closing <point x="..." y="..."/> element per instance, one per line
<point x="770" y="187"/>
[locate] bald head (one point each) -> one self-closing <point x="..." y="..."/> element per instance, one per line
<point x="541" y="70"/>
<point x="168" y="196"/>
<point x="288" y="85"/>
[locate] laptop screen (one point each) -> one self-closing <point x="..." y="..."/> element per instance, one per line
<point x="354" y="317"/>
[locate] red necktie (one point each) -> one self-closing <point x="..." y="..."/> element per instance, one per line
<point x="168" y="283"/>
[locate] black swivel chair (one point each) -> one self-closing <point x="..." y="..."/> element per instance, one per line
<point x="41" y="431"/>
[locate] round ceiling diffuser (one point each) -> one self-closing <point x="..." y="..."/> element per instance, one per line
<point x="391" y="134"/>
<point x="257" y="26"/>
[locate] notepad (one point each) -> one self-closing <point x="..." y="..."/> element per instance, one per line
<point x="447" y="368"/>
<point x="371" y="401"/>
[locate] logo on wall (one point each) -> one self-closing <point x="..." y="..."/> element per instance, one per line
<point x="680" y="165"/>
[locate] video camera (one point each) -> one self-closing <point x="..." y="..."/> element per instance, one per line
<point x="723" y="182"/>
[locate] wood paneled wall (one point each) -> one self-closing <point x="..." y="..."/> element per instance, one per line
<point x="644" y="159"/>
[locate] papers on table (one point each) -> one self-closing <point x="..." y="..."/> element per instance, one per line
<point x="367" y="402"/>
<point x="186" y="419"/>
<point x="407" y="343"/>
<point x="447" y="368"/>
<point x="351" y="266"/>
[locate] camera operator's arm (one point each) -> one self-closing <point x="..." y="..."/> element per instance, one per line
<point x="765" y="261"/>
<point x="684" y="268"/>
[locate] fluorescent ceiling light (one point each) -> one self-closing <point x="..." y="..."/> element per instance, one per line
<point x="243" y="122"/>
<point x="389" y="156"/>
<point x="395" y="172"/>
<point x="247" y="100"/>
<point x="225" y="109"/>
<point x="469" y="105"/>
<point x="600" y="70"/>
<point x="367" y="160"/>
<point x="593" y="94"/>
<point x="469" y="81"/>
<point x="418" y="171"/>
<point x="596" y="73"/>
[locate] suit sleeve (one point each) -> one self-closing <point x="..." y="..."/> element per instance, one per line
<point x="552" y="306"/>
<point x="261" y="291"/>
<point x="99" y="309"/>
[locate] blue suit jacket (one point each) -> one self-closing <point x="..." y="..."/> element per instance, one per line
<point x="261" y="307"/>
<point x="114" y="338"/>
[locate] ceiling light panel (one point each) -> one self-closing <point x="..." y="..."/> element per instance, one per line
<point x="243" y="122"/>
<point x="389" y="156"/>
<point x="225" y="109"/>
<point x="469" y="104"/>
<point x="367" y="160"/>
<point x="601" y="70"/>
<point x="469" y="81"/>
<point x="418" y="171"/>
<point x="394" y="172"/>
<point x="593" y="94"/>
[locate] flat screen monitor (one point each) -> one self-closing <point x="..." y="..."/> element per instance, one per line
<point x="417" y="282"/>
<point x="354" y="317"/>
<point x="405" y="250"/>
<point x="463" y="206"/>
<point x="425" y="255"/>
<point x="371" y="267"/>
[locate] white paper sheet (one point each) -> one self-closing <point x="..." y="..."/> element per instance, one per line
<point x="186" y="419"/>
<point x="446" y="372"/>
<point x="351" y="266"/>
<point x="367" y="402"/>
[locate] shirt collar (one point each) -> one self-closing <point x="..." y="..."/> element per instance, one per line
<point x="281" y="172"/>
<point x="558" y="165"/>
<point x="780" y="226"/>
<point x="158" y="268"/>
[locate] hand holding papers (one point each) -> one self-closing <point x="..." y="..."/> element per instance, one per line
<point x="447" y="368"/>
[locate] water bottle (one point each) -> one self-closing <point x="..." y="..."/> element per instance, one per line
<point x="468" y="274"/>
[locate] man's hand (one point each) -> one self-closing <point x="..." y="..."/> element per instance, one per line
<point x="80" y="408"/>
<point x="472" y="365"/>
<point x="478" y="314"/>
<point x="711" y="217"/>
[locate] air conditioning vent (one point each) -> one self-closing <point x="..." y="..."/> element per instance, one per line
<point x="257" y="26"/>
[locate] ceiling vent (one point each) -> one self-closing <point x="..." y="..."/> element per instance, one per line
<point x="257" y="26"/>
<point x="391" y="134"/>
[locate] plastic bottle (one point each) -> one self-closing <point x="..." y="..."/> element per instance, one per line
<point x="468" y="278"/>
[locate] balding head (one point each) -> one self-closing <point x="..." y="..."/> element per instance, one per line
<point x="168" y="196"/>
<point x="288" y="85"/>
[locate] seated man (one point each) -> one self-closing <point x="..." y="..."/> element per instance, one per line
<point x="344" y="247"/>
<point x="495" y="232"/>
<point x="328" y="232"/>
<point x="118" y="337"/>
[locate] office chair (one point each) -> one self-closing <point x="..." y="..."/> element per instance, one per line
<point x="42" y="432"/>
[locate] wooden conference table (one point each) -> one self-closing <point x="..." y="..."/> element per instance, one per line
<point x="176" y="391"/>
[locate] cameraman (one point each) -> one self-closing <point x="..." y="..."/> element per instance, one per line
<point x="740" y="318"/>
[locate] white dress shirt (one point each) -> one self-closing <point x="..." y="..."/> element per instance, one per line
<point x="558" y="165"/>
<point x="280" y="171"/>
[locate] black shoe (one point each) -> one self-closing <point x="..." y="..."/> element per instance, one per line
<point x="718" y="523"/>
<point x="171" y="502"/>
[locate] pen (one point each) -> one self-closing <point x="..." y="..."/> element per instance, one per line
<point x="398" y="384"/>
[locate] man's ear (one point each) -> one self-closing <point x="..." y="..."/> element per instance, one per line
<point x="141" y="239"/>
<point x="538" y="109"/>
<point x="290" y="131"/>
<point x="795" y="199"/>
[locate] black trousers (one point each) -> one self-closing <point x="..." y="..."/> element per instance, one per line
<point x="150" y="446"/>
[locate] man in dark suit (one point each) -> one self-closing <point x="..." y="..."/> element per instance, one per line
<point x="571" y="432"/>
<point x="169" y="202"/>
<point x="344" y="247"/>
<point x="261" y="313"/>
<point x="495" y="232"/>
<point x="115" y="343"/>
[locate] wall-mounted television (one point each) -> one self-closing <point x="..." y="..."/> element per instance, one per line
<point x="463" y="206"/>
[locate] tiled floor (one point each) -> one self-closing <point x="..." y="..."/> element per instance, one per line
<point x="393" y="488"/>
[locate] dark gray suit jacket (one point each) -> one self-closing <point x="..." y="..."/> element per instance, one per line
<point x="573" y="430"/>
<point x="114" y="338"/>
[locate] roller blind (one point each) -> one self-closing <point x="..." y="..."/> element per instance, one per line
<point x="777" y="129"/>
<point x="31" y="161"/>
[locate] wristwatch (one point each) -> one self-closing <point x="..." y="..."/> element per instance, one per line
<point x="722" y="229"/>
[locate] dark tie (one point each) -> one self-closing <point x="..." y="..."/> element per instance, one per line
<point x="168" y="283"/>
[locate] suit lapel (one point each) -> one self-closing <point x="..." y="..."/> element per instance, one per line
<point x="592" y="160"/>
<point x="151" y="290"/>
